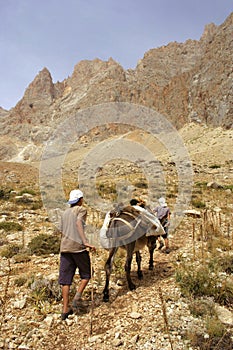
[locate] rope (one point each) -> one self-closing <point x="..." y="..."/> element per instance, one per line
<point x="132" y="228"/>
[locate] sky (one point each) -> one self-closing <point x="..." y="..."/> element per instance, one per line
<point x="58" y="34"/>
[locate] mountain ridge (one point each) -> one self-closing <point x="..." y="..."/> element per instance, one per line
<point x="185" y="82"/>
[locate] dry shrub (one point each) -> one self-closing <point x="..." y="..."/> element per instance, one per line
<point x="45" y="244"/>
<point x="205" y="280"/>
<point x="10" y="226"/>
<point x="10" y="250"/>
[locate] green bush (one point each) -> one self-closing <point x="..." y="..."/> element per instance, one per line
<point x="44" y="244"/>
<point x="37" y="205"/>
<point x="21" y="257"/>
<point x="219" y="338"/>
<point x="43" y="289"/>
<point x="3" y="238"/>
<point x="198" y="204"/>
<point x="196" y="282"/>
<point x="226" y="263"/>
<point x="20" y="281"/>
<point x="107" y="190"/>
<point x="202" y="307"/>
<point x="9" y="226"/>
<point x="228" y="187"/>
<point x="201" y="184"/>
<point x="10" y="250"/>
<point x="214" y="327"/>
<point x="141" y="184"/>
<point x="204" y="281"/>
<point x="26" y="190"/>
<point x="5" y="194"/>
<point x="215" y="166"/>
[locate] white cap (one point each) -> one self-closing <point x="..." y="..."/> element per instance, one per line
<point x="75" y="195"/>
<point x="162" y="202"/>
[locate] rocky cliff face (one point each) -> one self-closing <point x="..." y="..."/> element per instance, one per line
<point x="191" y="81"/>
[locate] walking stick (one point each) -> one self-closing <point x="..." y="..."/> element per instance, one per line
<point x="92" y="294"/>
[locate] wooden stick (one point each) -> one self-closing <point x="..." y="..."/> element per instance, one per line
<point x="165" y="317"/>
<point x="202" y="243"/>
<point x="92" y="295"/>
<point x="194" y="248"/>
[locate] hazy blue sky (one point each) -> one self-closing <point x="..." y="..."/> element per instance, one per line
<point x="57" y="34"/>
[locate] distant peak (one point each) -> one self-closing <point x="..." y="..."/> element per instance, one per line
<point x="209" y="31"/>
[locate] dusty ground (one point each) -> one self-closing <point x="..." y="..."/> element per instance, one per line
<point x="131" y="320"/>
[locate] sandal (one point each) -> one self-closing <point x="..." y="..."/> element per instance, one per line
<point x="65" y="315"/>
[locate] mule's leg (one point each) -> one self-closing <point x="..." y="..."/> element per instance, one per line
<point x="129" y="249"/>
<point x="108" y="270"/>
<point x="151" y="243"/>
<point x="139" y="259"/>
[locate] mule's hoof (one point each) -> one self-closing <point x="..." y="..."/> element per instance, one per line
<point x="105" y="298"/>
<point x="151" y="267"/>
<point x="140" y="276"/>
<point x="132" y="286"/>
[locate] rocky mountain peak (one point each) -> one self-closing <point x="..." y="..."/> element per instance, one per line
<point x="208" y="33"/>
<point x="42" y="88"/>
<point x="186" y="82"/>
<point x="91" y="72"/>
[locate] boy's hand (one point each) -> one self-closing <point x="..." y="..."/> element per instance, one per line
<point x="92" y="247"/>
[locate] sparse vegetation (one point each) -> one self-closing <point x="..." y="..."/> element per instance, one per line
<point x="3" y="238"/>
<point x="10" y="250"/>
<point x="202" y="307"/>
<point x="36" y="205"/>
<point x="5" y="193"/>
<point x="141" y="184"/>
<point x="20" y="281"/>
<point x="107" y="190"/>
<point x="27" y="190"/>
<point x="198" y="204"/>
<point x="21" y="257"/>
<point x="215" y="166"/>
<point x="205" y="280"/>
<point x="202" y="184"/>
<point x="44" y="289"/>
<point x="216" y="337"/>
<point x="44" y="244"/>
<point x="228" y="187"/>
<point x="10" y="226"/>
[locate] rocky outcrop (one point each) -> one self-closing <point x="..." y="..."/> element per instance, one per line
<point x="185" y="82"/>
<point x="211" y="88"/>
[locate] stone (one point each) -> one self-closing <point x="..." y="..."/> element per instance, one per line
<point x="214" y="185"/>
<point x="117" y="342"/>
<point x="192" y="212"/>
<point x="20" y="304"/>
<point x="49" y="320"/>
<point x="228" y="192"/>
<point x="135" y="315"/>
<point x="224" y="315"/>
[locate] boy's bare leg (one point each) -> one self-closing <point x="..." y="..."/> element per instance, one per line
<point x="77" y="303"/>
<point x="65" y="297"/>
<point x="81" y="288"/>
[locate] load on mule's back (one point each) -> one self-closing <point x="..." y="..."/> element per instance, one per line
<point x="131" y="228"/>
